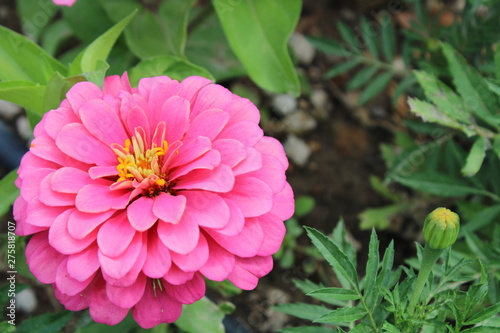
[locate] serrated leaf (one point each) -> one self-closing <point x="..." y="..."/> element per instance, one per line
<point x="329" y="46"/>
<point x="375" y="87"/>
<point x="258" y="32"/>
<point x="46" y="323"/>
<point x="334" y="256"/>
<point x="372" y="263"/>
<point x="342" y="315"/>
<point x="362" y="77"/>
<point x="336" y="293"/>
<point x="307" y="286"/>
<point x="476" y="157"/>
<point x="174" y="67"/>
<point x="343" y="67"/>
<point x="208" y="317"/>
<point x="370" y="35"/>
<point x="388" y="41"/>
<point x="8" y="191"/>
<point x="302" y="310"/>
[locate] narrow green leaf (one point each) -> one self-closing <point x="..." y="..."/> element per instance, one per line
<point x="348" y="36"/>
<point x="208" y="317"/>
<point x="403" y="87"/>
<point x="307" y="329"/>
<point x="390" y="328"/>
<point x="334" y="256"/>
<point x="92" y="57"/>
<point x="370" y="35"/>
<point x="175" y="67"/>
<point x="485" y="217"/>
<point x="342" y="315"/>
<point x="362" y="77"/>
<point x="336" y="293"/>
<point x="330" y="46"/>
<point x="497" y="61"/>
<point x="23" y="60"/>
<point x="476" y="157"/>
<point x="307" y="286"/>
<point x="481" y="329"/>
<point x="386" y="272"/>
<point x="372" y="263"/>
<point x="46" y="323"/>
<point x="343" y="67"/>
<point x="378" y="217"/>
<point x="8" y="191"/>
<point x="484" y="314"/>
<point x="362" y="328"/>
<point x="23" y="93"/>
<point x="375" y="87"/>
<point x="388" y="41"/>
<point x="302" y="310"/>
<point x="258" y="32"/>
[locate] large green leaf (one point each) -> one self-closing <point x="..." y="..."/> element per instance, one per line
<point x="45" y="323"/>
<point x="258" y="32"/>
<point x="91" y="59"/>
<point x="8" y="191"/>
<point x="35" y="15"/>
<point x="87" y="19"/>
<point x="174" y="67"/>
<point x="24" y="93"/>
<point x="23" y="60"/>
<point x="208" y="317"/>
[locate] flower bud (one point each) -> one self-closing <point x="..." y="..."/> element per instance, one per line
<point x="441" y="228"/>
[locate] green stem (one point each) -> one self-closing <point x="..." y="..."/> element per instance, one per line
<point x="429" y="258"/>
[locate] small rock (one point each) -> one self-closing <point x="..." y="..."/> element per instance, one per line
<point x="300" y="122"/>
<point x="9" y="110"/>
<point x="304" y="51"/>
<point x="23" y="128"/>
<point x="297" y="150"/>
<point x="26" y="300"/>
<point x="319" y="98"/>
<point x="284" y="104"/>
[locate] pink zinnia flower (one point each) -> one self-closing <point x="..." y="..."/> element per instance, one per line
<point x="133" y="195"/>
<point x="68" y="3"/>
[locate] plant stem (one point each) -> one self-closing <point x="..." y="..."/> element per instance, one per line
<point x="429" y="258"/>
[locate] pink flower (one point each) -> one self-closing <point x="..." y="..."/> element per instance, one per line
<point x="68" y="3"/>
<point x="133" y="195"/>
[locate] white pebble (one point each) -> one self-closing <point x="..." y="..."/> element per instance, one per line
<point x="319" y="98"/>
<point x="284" y="104"/>
<point x="299" y="122"/>
<point x="9" y="110"/>
<point x="297" y="150"/>
<point x="23" y="128"/>
<point x="304" y="51"/>
<point x="26" y="300"/>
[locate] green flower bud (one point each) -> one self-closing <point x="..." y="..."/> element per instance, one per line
<point x="441" y="228"/>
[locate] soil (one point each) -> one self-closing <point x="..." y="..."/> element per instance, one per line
<point x="345" y="153"/>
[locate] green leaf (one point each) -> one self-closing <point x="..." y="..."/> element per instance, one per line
<point x="362" y="77"/>
<point x="5" y="327"/>
<point x="334" y="256"/>
<point x="307" y="286"/>
<point x="46" y="323"/>
<point x="375" y="87"/>
<point x="372" y="263"/>
<point x="497" y="61"/>
<point x="390" y="328"/>
<point x="348" y="36"/>
<point x="8" y="192"/>
<point x="343" y="67"/>
<point x="476" y="157"/>
<point x="370" y="34"/>
<point x="342" y="315"/>
<point x="481" y="329"/>
<point x="336" y="293"/>
<point x="175" y="67"/>
<point x="329" y="46"/>
<point x="388" y="41"/>
<point x="56" y="90"/>
<point x="307" y="329"/>
<point x="304" y="205"/>
<point x="208" y="317"/>
<point x="87" y="325"/>
<point x="484" y="314"/>
<point x="302" y="310"/>
<point x="23" y="60"/>
<point x="94" y="55"/>
<point x="207" y="47"/>
<point x="379" y="217"/>
<point x="480" y="220"/>
<point x="34" y="16"/>
<point x="23" y="93"/>
<point x="403" y="87"/>
<point x="258" y="32"/>
<point x="87" y="19"/>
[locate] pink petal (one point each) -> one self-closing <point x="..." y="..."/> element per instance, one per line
<point x="175" y="112"/>
<point x="94" y="198"/>
<point x="62" y="241"/>
<point x="31" y="162"/>
<point x="69" y="180"/>
<point x="169" y="208"/>
<point x="189" y="292"/>
<point x="242" y="109"/>
<point x="246" y="244"/>
<point x="127" y="297"/>
<point x="247" y="132"/>
<point x="253" y="196"/>
<point x="252" y="162"/>
<point x="182" y="237"/>
<point x="243" y="279"/>
<point x="115" y="236"/>
<point x="177" y="276"/>
<point x="46" y="148"/>
<point x="84" y="264"/>
<point x="75" y="141"/>
<point x="157" y="95"/>
<point x="66" y="284"/>
<point x="195" y="259"/>
<point x="247" y="271"/>
<point x="208" y="123"/>
<point x="190" y="87"/>
<point x="31" y="188"/>
<point x="81" y="224"/>
<point x="272" y="173"/>
<point x="155" y="308"/>
<point x="115" y="84"/>
<point x="102" y="122"/>
<point x="232" y="151"/>
<point x="275" y="232"/>
<point x="20" y="216"/>
<point x="212" y="96"/>
<point x="283" y="203"/>
<point x="55" y="120"/>
<point x="236" y="220"/>
<point x="137" y="118"/>
<point x="52" y="198"/>
<point x="120" y="265"/>
<point x="219" y="264"/>
<point x="158" y="260"/>
<point x="273" y="147"/>
<point x="208" y="161"/>
<point x="207" y="209"/>
<point x="74" y="303"/>
<point x="41" y="215"/>
<point x="220" y="179"/>
<point x="43" y="260"/>
<point x="101" y="309"/>
<point x="140" y="214"/>
<point x="190" y="151"/>
<point x="102" y="171"/>
<point x="82" y="92"/>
